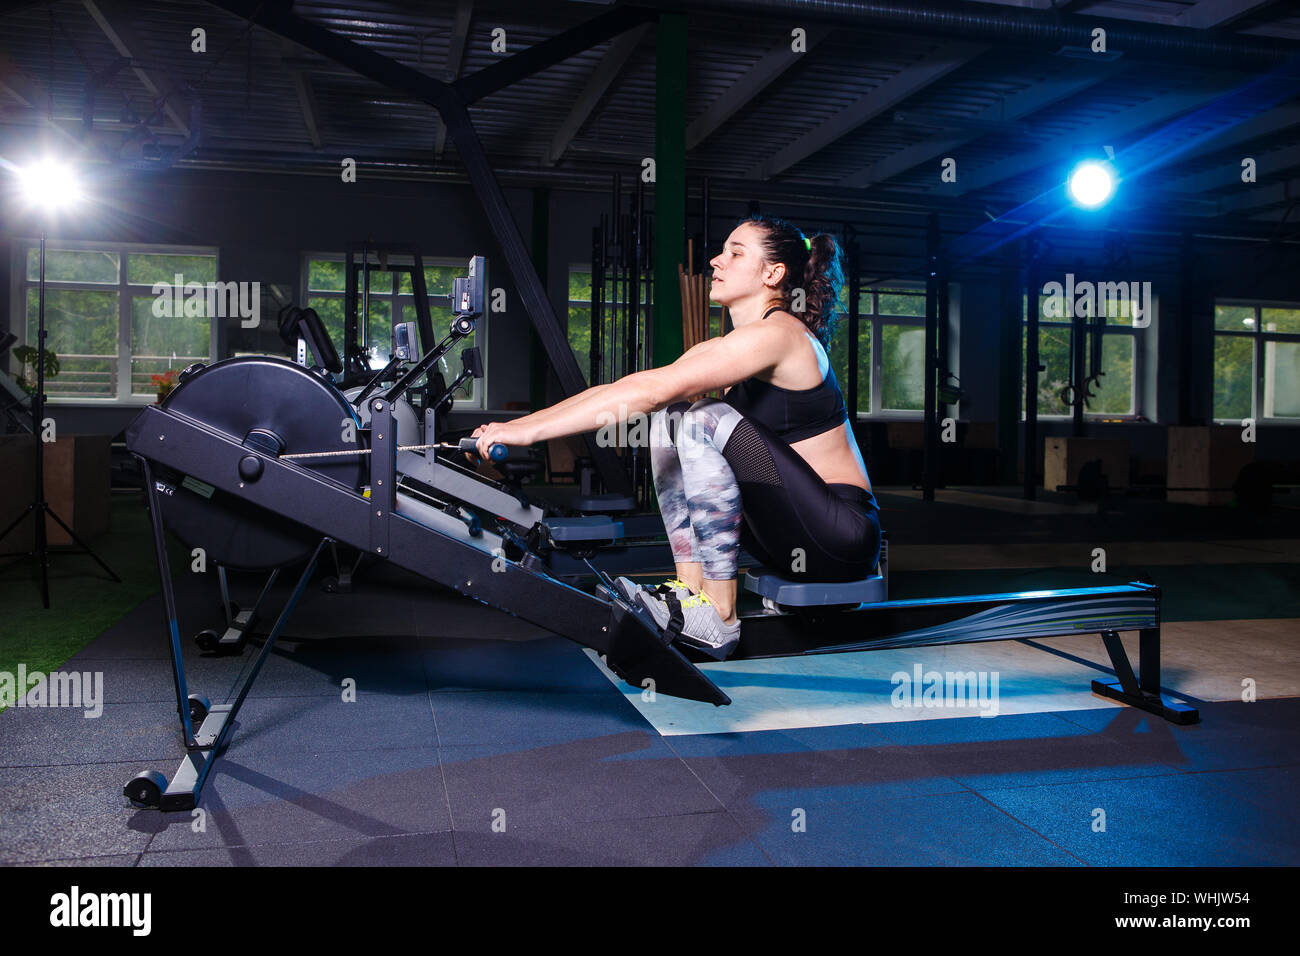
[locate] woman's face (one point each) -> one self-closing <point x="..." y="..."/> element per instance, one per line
<point x="739" y="271"/>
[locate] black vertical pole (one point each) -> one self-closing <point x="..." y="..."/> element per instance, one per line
<point x="597" y="301"/>
<point x="1010" y="362"/>
<point x="538" y="367"/>
<point x="704" y="255"/>
<point x="931" y="356"/>
<point x="1030" y="451"/>
<point x="1078" y="348"/>
<point x="855" y="318"/>
<point x="38" y="418"/>
<point x="945" y="338"/>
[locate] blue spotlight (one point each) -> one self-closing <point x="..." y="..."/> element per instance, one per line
<point x="1091" y="184"/>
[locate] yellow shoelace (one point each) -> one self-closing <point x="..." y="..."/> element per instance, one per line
<point x="698" y="600"/>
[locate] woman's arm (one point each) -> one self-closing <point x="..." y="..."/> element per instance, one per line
<point x="594" y="408"/>
<point x="710" y="365"/>
<point x="546" y="414"/>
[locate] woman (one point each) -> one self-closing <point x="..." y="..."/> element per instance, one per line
<point x="776" y="451"/>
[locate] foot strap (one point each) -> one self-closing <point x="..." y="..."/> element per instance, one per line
<point x="676" y="620"/>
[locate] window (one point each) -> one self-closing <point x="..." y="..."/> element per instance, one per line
<point x="1256" y="361"/>
<point x="1115" y="394"/>
<point x="890" y="378"/>
<point x="391" y="300"/>
<point x="613" y="364"/>
<point x="109" y="329"/>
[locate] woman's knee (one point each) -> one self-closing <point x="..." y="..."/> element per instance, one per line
<point x="709" y="420"/>
<point x="664" y="424"/>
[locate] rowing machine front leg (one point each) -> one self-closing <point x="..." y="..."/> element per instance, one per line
<point x="1142" y="692"/>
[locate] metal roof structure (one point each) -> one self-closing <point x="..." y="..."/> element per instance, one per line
<point x="867" y="112"/>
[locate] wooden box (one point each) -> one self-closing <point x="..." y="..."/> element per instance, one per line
<point x="77" y="487"/>
<point x="1205" y="457"/>
<point x="1064" y="457"/>
<point x="17" y="485"/>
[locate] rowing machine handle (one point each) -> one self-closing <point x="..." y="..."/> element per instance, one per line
<point x="497" y="452"/>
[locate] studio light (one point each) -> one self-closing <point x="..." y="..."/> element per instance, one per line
<point x="49" y="185"/>
<point x="1091" y="184"/>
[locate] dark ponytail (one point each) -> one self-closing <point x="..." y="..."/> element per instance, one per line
<point x="813" y="264"/>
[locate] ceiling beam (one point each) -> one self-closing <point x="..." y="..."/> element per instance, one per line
<point x="761" y="75"/>
<point x="1108" y="129"/>
<point x="303" y="89"/>
<point x="31" y="94"/>
<point x="1229" y="174"/>
<point x="25" y="90"/>
<point x="936" y="65"/>
<point x="1272" y="121"/>
<point x="115" y="24"/>
<point x="1213" y="13"/>
<point x="455" y="54"/>
<point x="607" y="70"/>
<point x="1252" y="197"/>
<point x="1017" y="106"/>
<point x="1031" y="4"/>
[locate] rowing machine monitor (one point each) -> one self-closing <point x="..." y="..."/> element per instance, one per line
<point x="467" y="292"/>
<point x="405" y="341"/>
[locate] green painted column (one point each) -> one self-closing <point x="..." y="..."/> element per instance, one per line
<point x="538" y="368"/>
<point x="670" y="186"/>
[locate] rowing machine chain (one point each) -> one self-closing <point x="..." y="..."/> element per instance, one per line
<point x="362" y="451"/>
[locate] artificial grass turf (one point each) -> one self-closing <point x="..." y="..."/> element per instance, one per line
<point x="84" y="601"/>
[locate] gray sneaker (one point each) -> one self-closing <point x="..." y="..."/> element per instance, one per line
<point x="694" y="620"/>
<point x="630" y="589"/>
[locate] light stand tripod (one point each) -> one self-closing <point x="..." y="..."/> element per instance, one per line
<point x="39" y="507"/>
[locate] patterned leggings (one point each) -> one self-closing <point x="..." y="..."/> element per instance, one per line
<point x="724" y="481"/>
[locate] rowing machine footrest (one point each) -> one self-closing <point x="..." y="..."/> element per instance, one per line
<point x="517" y="468"/>
<point x="585" y="531"/>
<point x="603" y="504"/>
<point x="798" y="593"/>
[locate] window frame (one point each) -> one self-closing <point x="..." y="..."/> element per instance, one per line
<point x="877" y="370"/>
<point x="402" y="300"/>
<point x="1261" y="339"/>
<point x="1139" y="363"/>
<point x="585" y="269"/>
<point x="125" y="291"/>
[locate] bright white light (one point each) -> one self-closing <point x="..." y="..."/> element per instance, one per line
<point x="1091" y="184"/>
<point x="50" y="185"/>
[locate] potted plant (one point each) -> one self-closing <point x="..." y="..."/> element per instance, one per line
<point x="164" y="382"/>
<point x="26" y="354"/>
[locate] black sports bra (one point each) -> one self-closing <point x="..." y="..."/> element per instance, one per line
<point x="792" y="414"/>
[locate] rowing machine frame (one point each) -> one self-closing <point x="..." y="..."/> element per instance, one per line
<point x="440" y="548"/>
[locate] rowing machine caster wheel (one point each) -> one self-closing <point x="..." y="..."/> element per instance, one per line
<point x="145" y="790"/>
<point x="330" y="585"/>
<point x="207" y="640"/>
<point x="199" y="707"/>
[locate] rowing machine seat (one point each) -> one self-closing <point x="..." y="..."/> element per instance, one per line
<point x="583" y="531"/>
<point x="604" y="504"/>
<point x="796" y="593"/>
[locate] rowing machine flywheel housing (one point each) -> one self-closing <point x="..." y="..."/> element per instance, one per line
<point x="277" y="408"/>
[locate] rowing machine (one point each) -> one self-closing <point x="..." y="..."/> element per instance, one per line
<point x="252" y="458"/>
